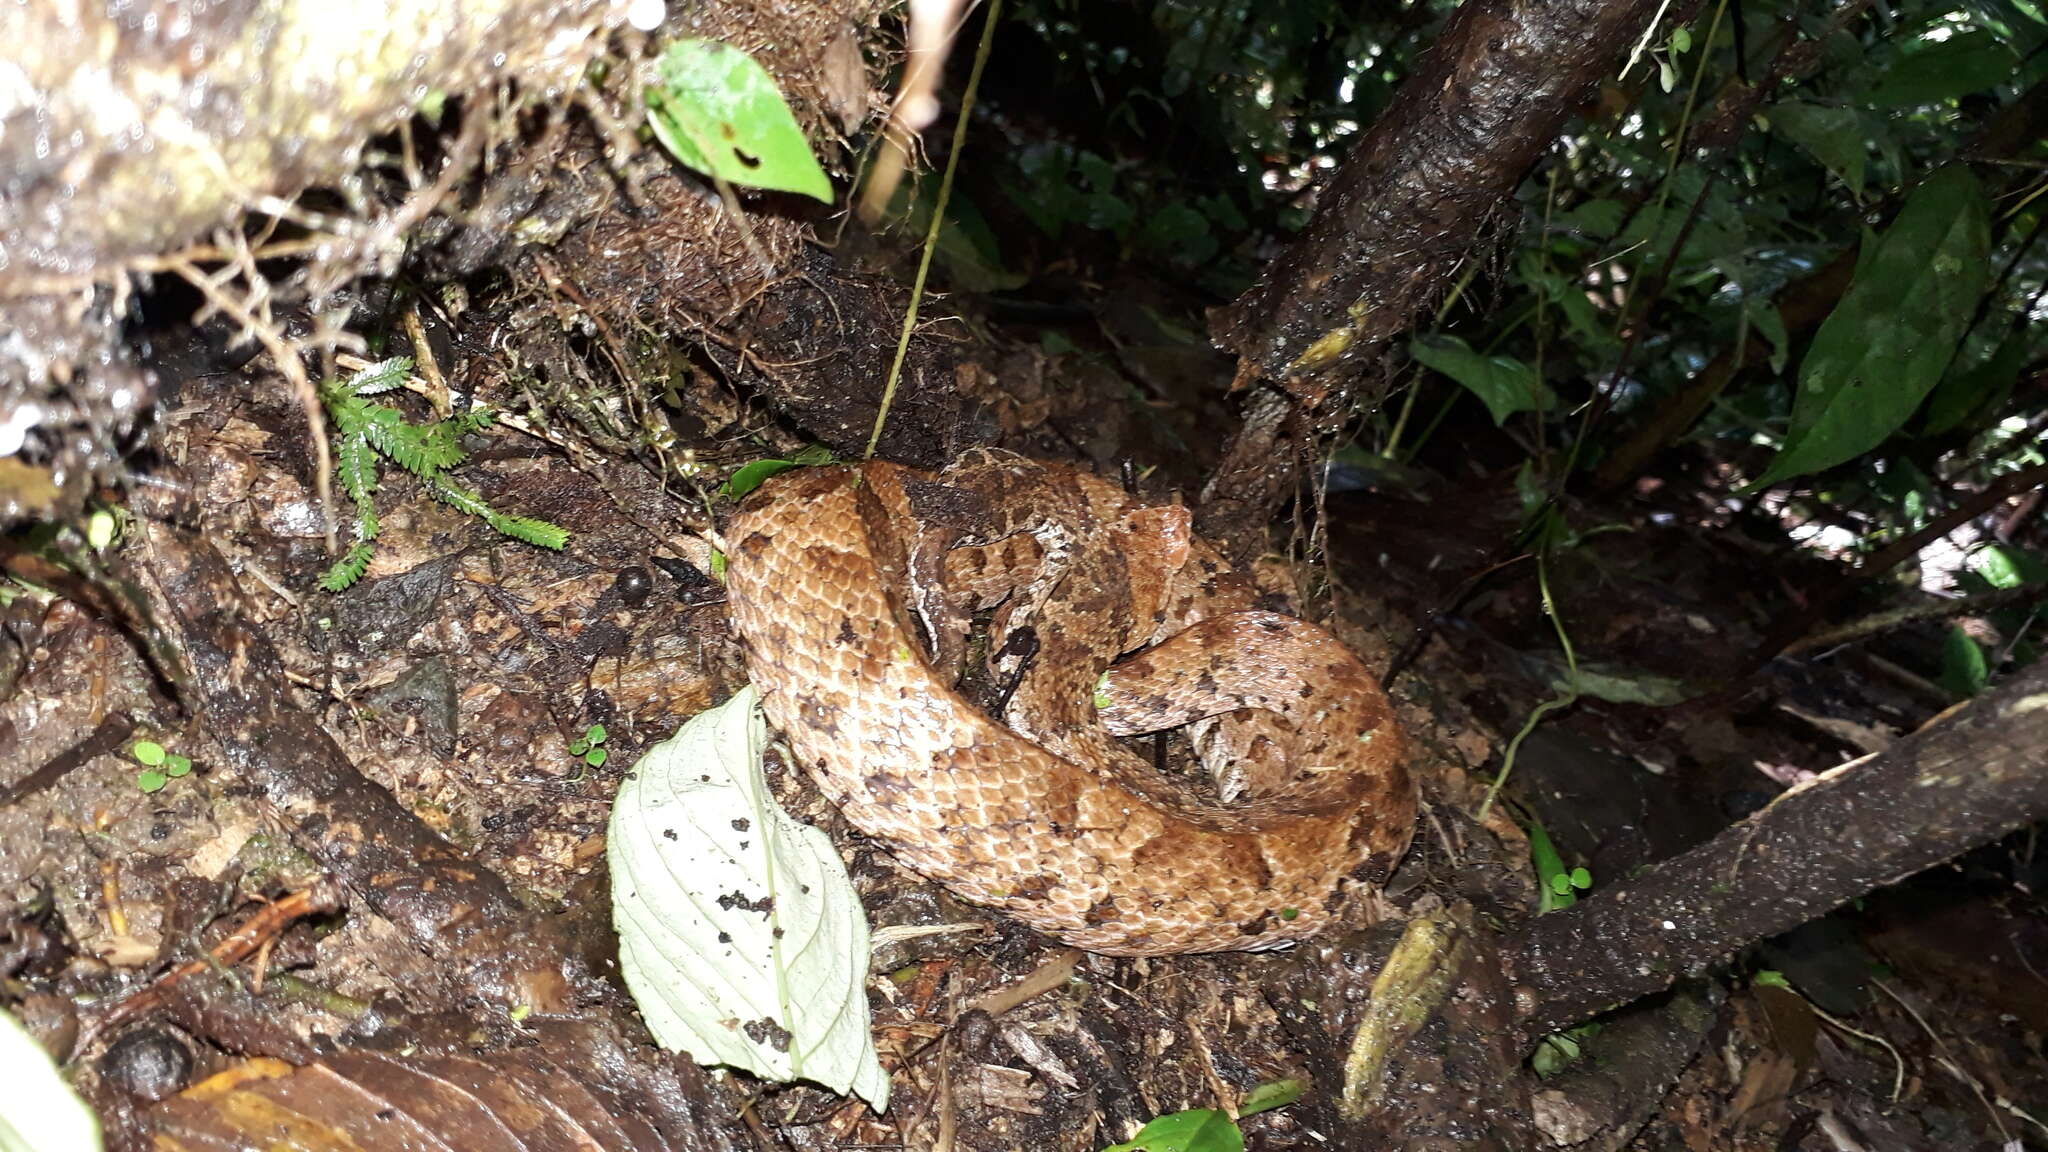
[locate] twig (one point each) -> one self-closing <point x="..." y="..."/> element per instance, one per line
<point x="931" y="235"/>
<point x="294" y="369"/>
<point x="102" y="740"/>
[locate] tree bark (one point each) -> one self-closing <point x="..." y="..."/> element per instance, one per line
<point x="1407" y="206"/>
<point x="1935" y="794"/>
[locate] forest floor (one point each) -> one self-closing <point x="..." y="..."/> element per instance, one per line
<point x="458" y="672"/>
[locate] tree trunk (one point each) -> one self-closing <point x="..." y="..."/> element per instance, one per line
<point x="1419" y="189"/>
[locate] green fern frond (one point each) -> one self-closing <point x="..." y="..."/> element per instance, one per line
<point x="537" y="532"/>
<point x="349" y="568"/>
<point x="382" y="376"/>
<point x="366" y="430"/>
<point x="355" y="465"/>
<point x="457" y="497"/>
<point x="422" y="451"/>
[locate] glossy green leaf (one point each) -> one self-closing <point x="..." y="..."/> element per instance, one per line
<point x="1832" y="135"/>
<point x="749" y="476"/>
<point x="1884" y="347"/>
<point x="1963" y="668"/>
<point x="151" y="780"/>
<point x="38" y="1110"/>
<point x="1931" y="71"/>
<point x="176" y="766"/>
<point x="1197" y="1130"/>
<point x="148" y="752"/>
<point x="1506" y="385"/>
<point x="719" y="112"/>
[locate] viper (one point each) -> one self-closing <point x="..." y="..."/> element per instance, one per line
<point x="854" y="589"/>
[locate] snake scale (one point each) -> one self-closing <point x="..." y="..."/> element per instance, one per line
<point x="853" y="588"/>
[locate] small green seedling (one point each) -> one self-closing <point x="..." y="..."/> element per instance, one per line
<point x="1206" y="1129"/>
<point x="1560" y="887"/>
<point x="159" y="767"/>
<point x="590" y="746"/>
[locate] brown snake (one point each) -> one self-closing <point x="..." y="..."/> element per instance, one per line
<point x="852" y="588"/>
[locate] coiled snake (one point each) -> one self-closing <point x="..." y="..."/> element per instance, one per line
<point x="853" y="587"/>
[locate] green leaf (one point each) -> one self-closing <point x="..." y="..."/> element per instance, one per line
<point x="176" y="765"/>
<point x="1582" y="879"/>
<point x="355" y="465"/>
<point x="382" y="376"/>
<point x="2006" y="567"/>
<point x="1968" y="390"/>
<point x="38" y="1110"/>
<point x="596" y="757"/>
<point x="740" y="936"/>
<point x="1884" y="347"/>
<point x="349" y="569"/>
<point x="719" y="112"/>
<point x="1766" y="321"/>
<point x="1556" y="884"/>
<point x="1197" y="1130"/>
<point x="1963" y="670"/>
<point x="151" y="780"/>
<point x="1506" y="385"/>
<point x="750" y="476"/>
<point x="148" y="753"/>
<point x="596" y="734"/>
<point x="539" y="533"/>
<point x="1832" y="135"/>
<point x="578" y="747"/>
<point x="1931" y="71"/>
<point x="1270" y="1095"/>
<point x="100" y="528"/>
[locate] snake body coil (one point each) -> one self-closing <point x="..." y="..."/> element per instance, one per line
<point x="852" y="588"/>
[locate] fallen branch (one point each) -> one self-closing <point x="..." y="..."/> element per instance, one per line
<point x="1944" y="790"/>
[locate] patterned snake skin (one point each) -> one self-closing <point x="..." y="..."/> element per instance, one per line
<point x="853" y="588"/>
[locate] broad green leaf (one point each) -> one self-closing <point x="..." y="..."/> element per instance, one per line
<point x="148" y="752"/>
<point x="1884" y="347"/>
<point x="740" y="937"/>
<point x="1930" y="71"/>
<point x="38" y="1111"/>
<point x="1832" y="135"/>
<point x="1505" y="384"/>
<point x="1197" y="1130"/>
<point x="1963" y="670"/>
<point x="719" y="112"/>
<point x="2002" y="566"/>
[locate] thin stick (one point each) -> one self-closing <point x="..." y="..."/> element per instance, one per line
<point x="931" y="234"/>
